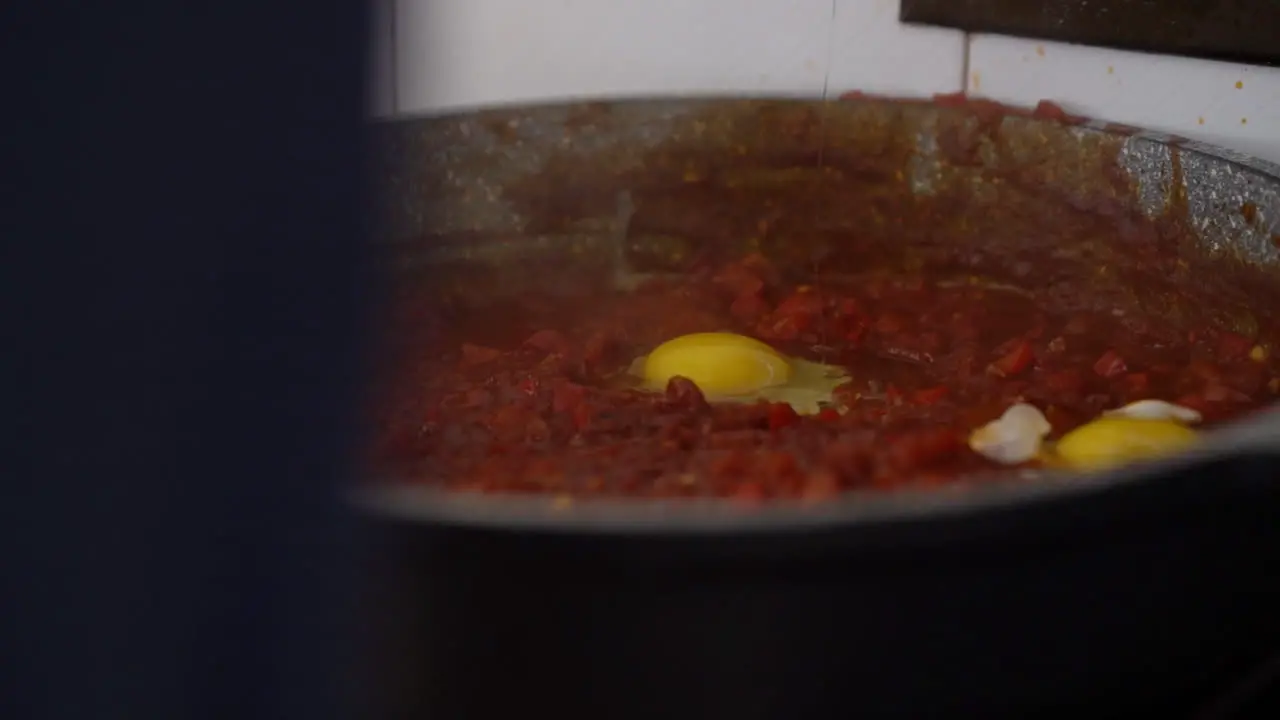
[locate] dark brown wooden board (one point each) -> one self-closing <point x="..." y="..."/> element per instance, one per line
<point x="1237" y="30"/>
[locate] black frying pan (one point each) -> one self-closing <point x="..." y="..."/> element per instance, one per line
<point x="1149" y="588"/>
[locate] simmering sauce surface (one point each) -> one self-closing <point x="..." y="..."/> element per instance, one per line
<point x="535" y="397"/>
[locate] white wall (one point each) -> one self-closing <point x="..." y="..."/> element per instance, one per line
<point x="436" y="55"/>
<point x="1237" y="106"/>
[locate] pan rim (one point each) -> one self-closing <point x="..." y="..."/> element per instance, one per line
<point x="1097" y="125"/>
<point x="1258" y="435"/>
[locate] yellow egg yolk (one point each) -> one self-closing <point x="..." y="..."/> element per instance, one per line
<point x="1115" y="440"/>
<point x="736" y="368"/>
<point x="718" y="363"/>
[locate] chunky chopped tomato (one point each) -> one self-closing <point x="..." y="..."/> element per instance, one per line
<point x="848" y="307"/>
<point x="536" y="430"/>
<point x="776" y="465"/>
<point x="476" y="398"/>
<point x="921" y="449"/>
<point x="529" y="386"/>
<point x="929" y="396"/>
<point x="892" y="396"/>
<point x="740" y="280"/>
<point x="890" y="324"/>
<point x="1218" y="392"/>
<point x="1017" y="358"/>
<point x="1110" y="365"/>
<point x="596" y="347"/>
<point x="549" y="341"/>
<point x="496" y="409"/>
<point x="682" y="394"/>
<point x="749" y="493"/>
<point x="820" y="485"/>
<point x="776" y="327"/>
<point x="758" y="263"/>
<point x="749" y="307"/>
<point x="581" y="416"/>
<point x="781" y="415"/>
<point x="478" y="354"/>
<point x="1232" y="346"/>
<point x="1136" y="383"/>
<point x="854" y="331"/>
<point x="804" y="302"/>
<point x="1065" y="382"/>
<point x="567" y="395"/>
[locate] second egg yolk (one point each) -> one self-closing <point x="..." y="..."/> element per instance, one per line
<point x="1111" y="441"/>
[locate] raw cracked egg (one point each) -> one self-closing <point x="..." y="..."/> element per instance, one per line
<point x="1155" y="410"/>
<point x="1139" y="431"/>
<point x="1116" y="440"/>
<point x="735" y="368"/>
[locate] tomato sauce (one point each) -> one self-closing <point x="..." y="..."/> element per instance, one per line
<point x="533" y="398"/>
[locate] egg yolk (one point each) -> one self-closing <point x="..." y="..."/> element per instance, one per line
<point x="718" y="363"/>
<point x="1116" y="440"/>
<point x="735" y="368"/>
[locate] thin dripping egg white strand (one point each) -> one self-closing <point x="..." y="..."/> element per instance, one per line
<point x="763" y="358"/>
